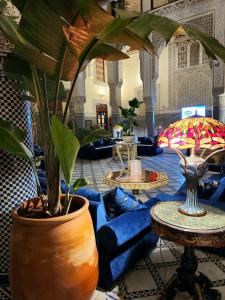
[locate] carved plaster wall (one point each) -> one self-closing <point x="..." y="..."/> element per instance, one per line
<point x="196" y="84"/>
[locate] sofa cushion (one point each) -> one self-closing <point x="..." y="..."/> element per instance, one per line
<point x="107" y="142"/>
<point x="118" y="202"/>
<point x="96" y="206"/>
<point x="145" y="140"/>
<point x="141" y="139"/>
<point x="98" y="143"/>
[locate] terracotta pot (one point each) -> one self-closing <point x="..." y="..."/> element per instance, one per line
<point x="54" y="258"/>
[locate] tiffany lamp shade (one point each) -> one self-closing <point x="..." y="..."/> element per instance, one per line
<point x="195" y="133"/>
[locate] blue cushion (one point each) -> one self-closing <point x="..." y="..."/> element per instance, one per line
<point x="141" y="139"/>
<point x="145" y="140"/>
<point x="99" y="143"/>
<point x="118" y="202"/>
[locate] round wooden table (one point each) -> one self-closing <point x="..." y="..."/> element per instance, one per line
<point x="204" y="231"/>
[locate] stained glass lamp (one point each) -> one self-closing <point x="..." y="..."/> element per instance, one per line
<point x="196" y="133"/>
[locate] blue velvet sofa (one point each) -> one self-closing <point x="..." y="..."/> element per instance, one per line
<point x="147" y="147"/>
<point x="121" y="241"/>
<point x="97" y="150"/>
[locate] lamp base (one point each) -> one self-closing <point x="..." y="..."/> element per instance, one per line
<point x="193" y="212"/>
<point x="192" y="169"/>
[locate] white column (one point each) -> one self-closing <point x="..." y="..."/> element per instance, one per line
<point x="149" y="91"/>
<point x="115" y="81"/>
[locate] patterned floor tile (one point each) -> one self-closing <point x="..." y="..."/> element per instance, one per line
<point x="139" y="280"/>
<point x="211" y="270"/>
<point x="163" y="255"/>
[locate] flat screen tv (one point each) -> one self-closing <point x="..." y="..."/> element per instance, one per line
<point x="193" y="110"/>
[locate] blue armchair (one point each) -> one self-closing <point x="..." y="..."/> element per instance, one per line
<point x="121" y="241"/>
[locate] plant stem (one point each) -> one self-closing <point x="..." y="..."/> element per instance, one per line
<point x="67" y="202"/>
<point x="53" y="171"/>
<point x="39" y="190"/>
<point x="45" y="129"/>
<point x="89" y="47"/>
<point x="58" y="82"/>
<point x="45" y="98"/>
<point x="54" y="182"/>
<point x="51" y="161"/>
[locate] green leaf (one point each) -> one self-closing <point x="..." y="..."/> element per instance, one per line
<point x="135" y="103"/>
<point x="11" y="138"/>
<point x="25" y="49"/>
<point x="80" y="182"/>
<point x="212" y="47"/>
<point x="118" y="32"/>
<point x="114" y="28"/>
<point x="94" y="15"/>
<point x="65" y="9"/>
<point x="107" y="52"/>
<point x="66" y="146"/>
<point x="147" y="23"/>
<point x="18" y="133"/>
<point x="86" y="136"/>
<point x="50" y="37"/>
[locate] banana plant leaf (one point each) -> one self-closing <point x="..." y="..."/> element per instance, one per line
<point x="66" y="146"/>
<point x="83" y="25"/>
<point x="11" y="140"/>
<point x="107" y="52"/>
<point x="212" y="47"/>
<point x="20" y="71"/>
<point x="109" y="29"/>
<point x="25" y="49"/>
<point x="139" y="26"/>
<point x="87" y="136"/>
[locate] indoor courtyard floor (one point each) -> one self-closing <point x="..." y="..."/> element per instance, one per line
<point x="145" y="280"/>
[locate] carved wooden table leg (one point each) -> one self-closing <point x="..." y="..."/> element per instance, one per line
<point x="186" y="280"/>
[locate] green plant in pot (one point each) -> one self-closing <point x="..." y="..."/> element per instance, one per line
<point x="129" y="122"/>
<point x="54" y="256"/>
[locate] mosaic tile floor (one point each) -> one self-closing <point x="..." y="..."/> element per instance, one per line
<point x="145" y="280"/>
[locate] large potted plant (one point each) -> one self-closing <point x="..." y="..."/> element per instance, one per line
<point x="129" y="121"/>
<point x="51" y="256"/>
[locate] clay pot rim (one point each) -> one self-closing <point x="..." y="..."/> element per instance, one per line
<point x="61" y="219"/>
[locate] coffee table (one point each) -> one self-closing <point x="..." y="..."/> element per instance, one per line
<point x="144" y="184"/>
<point x="204" y="231"/>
